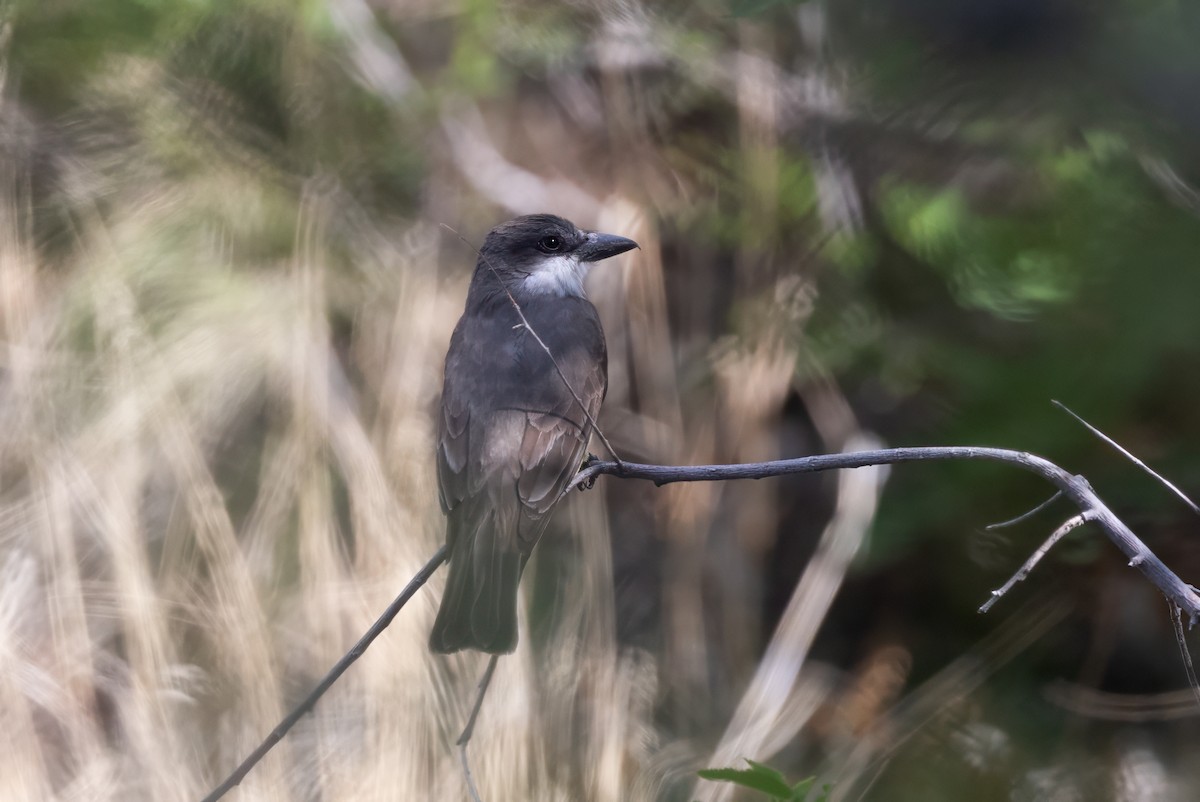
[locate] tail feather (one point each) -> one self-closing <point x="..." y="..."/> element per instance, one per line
<point x="479" y="606"/>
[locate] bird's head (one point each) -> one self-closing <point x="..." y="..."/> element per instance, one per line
<point x="541" y="254"/>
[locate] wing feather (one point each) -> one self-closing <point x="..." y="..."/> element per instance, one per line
<point x="553" y="446"/>
<point x="454" y="446"/>
<point x="505" y="454"/>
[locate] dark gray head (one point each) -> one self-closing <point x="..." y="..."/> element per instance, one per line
<point x="544" y="254"/>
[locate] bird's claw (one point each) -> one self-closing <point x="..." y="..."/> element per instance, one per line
<point x="590" y="482"/>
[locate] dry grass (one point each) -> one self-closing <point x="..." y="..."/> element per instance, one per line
<point x="216" y="384"/>
<point x="201" y="510"/>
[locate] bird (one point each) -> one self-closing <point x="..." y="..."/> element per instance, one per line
<point x="525" y="375"/>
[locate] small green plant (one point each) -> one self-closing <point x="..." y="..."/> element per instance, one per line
<point x="767" y="780"/>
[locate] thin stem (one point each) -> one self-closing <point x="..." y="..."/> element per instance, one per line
<point x="1025" y="516"/>
<point x="1073" y="522"/>
<point x="466" y="766"/>
<point x="469" y="730"/>
<point x="1129" y="456"/>
<point x="484" y="682"/>
<point x="1075" y="488"/>
<point x="310" y="701"/>
<point x="1189" y="669"/>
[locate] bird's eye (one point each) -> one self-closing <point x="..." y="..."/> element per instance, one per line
<point x="550" y="244"/>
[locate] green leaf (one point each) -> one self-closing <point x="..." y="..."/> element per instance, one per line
<point x="800" y="790"/>
<point x="758" y="777"/>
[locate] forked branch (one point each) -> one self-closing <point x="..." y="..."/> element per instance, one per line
<point x="1074" y="522"/>
<point x="1075" y="488"/>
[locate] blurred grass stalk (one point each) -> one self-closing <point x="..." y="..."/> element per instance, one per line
<point x="201" y="510"/>
<point x="223" y="327"/>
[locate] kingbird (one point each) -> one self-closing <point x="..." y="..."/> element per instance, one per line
<point x="516" y="415"/>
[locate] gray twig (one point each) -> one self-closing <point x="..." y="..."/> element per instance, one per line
<point x="1058" y="534"/>
<point x="1075" y="488"/>
<point x="1125" y="453"/>
<point x="466" y="767"/>
<point x="310" y="701"/>
<point x="469" y="730"/>
<point x="1025" y="516"/>
<point x="1189" y="669"/>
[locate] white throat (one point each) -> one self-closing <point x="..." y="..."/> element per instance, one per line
<point x="558" y="275"/>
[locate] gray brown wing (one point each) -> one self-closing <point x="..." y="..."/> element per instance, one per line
<point x="552" y="448"/>
<point x="454" y="445"/>
<point x="524" y="456"/>
<point x="500" y="473"/>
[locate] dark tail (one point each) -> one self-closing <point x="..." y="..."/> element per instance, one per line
<point x="479" y="607"/>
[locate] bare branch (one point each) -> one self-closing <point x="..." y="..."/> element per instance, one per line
<point x="471" y="789"/>
<point x="310" y="701"/>
<point x="1073" y="522"/>
<point x="1025" y="516"/>
<point x="469" y="730"/>
<point x="1075" y="488"/>
<point x="484" y="682"/>
<point x="1189" y="669"/>
<point x="1125" y="453"/>
<point x="1180" y="594"/>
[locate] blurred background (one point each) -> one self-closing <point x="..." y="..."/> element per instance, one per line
<point x="235" y="236"/>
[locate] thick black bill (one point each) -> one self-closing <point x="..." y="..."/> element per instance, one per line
<point x="601" y="246"/>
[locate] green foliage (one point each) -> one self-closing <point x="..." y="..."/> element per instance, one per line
<point x="760" y="777"/>
<point x="1008" y="267"/>
<point x="474" y="65"/>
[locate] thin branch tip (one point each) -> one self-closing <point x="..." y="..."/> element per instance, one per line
<point x="1025" y="515"/>
<point x="1162" y="480"/>
<point x="1027" y="567"/>
<point x="1183" y="596"/>
<point x="306" y="706"/>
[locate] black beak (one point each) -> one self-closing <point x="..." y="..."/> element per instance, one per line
<point x="601" y="246"/>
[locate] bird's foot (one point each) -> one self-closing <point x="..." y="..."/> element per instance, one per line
<point x="590" y="482"/>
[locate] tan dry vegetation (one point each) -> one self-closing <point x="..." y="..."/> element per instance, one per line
<point x="216" y="458"/>
<point x="202" y="510"/>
